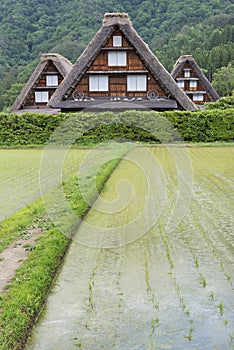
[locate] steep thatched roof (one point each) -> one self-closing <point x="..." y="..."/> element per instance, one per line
<point x="61" y="63"/>
<point x="188" y="59"/>
<point x="121" y="21"/>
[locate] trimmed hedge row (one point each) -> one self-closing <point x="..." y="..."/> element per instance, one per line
<point x="204" y="126"/>
<point x="35" y="129"/>
<point x="222" y="103"/>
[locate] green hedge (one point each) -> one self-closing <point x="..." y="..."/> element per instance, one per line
<point x="222" y="103"/>
<point x="203" y="126"/>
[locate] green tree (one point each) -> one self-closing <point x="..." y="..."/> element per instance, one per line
<point x="223" y="80"/>
<point x="10" y="95"/>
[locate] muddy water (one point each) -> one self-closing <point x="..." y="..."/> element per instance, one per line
<point x="151" y="288"/>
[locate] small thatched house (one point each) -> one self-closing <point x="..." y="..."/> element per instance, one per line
<point x="119" y="71"/>
<point x="192" y="81"/>
<point x="46" y="78"/>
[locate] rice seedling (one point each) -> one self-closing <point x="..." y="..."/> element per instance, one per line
<point x="77" y="343"/>
<point x="221" y="308"/>
<point x="154" y="324"/>
<point x="202" y="280"/>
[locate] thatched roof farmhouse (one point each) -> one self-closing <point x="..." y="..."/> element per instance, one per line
<point x="117" y="71"/>
<point x="47" y="76"/>
<point x="193" y="81"/>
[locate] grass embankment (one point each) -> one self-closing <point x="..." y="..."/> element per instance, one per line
<point x="24" y="297"/>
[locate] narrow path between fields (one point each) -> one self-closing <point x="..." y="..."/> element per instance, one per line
<point x="15" y="254"/>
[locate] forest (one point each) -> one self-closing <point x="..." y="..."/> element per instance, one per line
<point x="202" y="28"/>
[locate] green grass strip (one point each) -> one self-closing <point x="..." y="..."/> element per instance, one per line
<point x="25" y="296"/>
<point x="15" y="226"/>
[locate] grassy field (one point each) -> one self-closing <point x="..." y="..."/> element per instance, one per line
<point x="196" y="256"/>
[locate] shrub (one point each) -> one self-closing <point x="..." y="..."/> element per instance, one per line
<point x="203" y="126"/>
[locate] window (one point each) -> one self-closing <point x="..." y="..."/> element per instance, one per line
<point x="181" y="84"/>
<point x="193" y="84"/>
<point x="117" y="58"/>
<point x="136" y="82"/>
<point x="52" y="80"/>
<point x="98" y="83"/>
<point x="117" y="41"/>
<point x="198" y="97"/>
<point x="41" y="96"/>
<point x="187" y="73"/>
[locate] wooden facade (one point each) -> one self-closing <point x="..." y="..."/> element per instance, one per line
<point x="118" y="71"/>
<point x="46" y="78"/>
<point x="118" y="75"/>
<point x="41" y="85"/>
<point x="192" y="81"/>
<point x="117" y="65"/>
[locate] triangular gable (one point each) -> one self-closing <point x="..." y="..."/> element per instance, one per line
<point x="62" y="65"/>
<point x="121" y="22"/>
<point x="130" y="64"/>
<point x="187" y="61"/>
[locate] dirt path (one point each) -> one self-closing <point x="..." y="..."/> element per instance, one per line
<point x="15" y="254"/>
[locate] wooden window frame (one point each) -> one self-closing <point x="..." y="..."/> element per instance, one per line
<point x="44" y="96"/>
<point x="193" y="84"/>
<point x="196" y="97"/>
<point x="117" y="59"/>
<point x="137" y="83"/>
<point x="52" y="77"/>
<point x="187" y="73"/>
<point x="181" y="84"/>
<point x="117" y="41"/>
<point x="97" y="80"/>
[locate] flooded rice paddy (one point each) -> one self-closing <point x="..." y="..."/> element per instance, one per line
<point x="136" y="284"/>
<point x="20" y="176"/>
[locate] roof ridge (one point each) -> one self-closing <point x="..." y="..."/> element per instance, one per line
<point x="112" y="18"/>
<point x="45" y="56"/>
